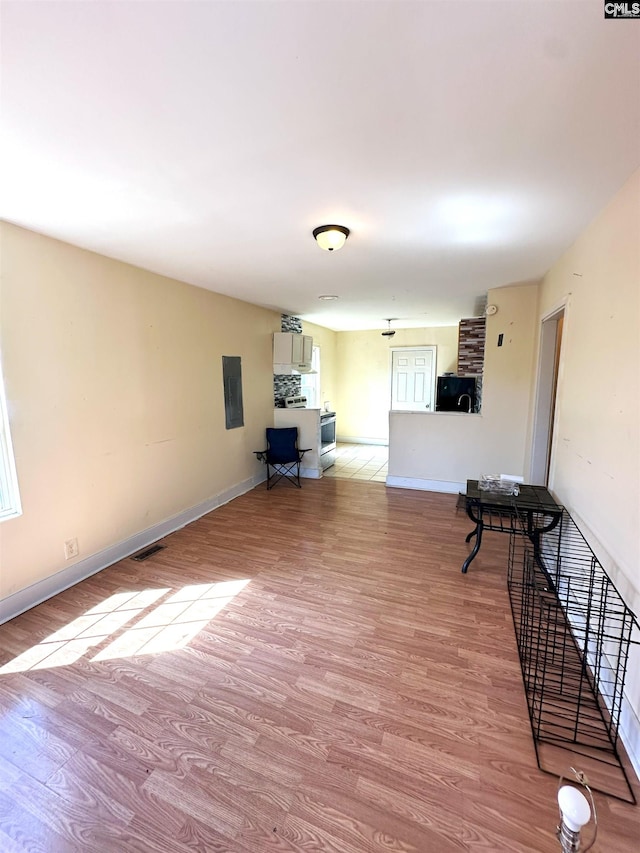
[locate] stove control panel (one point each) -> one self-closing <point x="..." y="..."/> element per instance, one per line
<point x="295" y="402"/>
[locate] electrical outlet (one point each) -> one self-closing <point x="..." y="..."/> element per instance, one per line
<point x="71" y="549"/>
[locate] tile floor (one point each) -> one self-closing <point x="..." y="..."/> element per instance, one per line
<point x="360" y="462"/>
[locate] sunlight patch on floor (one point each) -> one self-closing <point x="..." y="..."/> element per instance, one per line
<point x="175" y="617"/>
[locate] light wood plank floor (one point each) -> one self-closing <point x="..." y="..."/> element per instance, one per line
<point x="297" y="671"/>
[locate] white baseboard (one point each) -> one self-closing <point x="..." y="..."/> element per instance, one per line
<point x="447" y="486"/>
<point x="40" y="591"/>
<point x="630" y="734"/>
<point x="357" y="439"/>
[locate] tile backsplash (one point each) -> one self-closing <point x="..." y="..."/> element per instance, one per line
<point x="290" y="324"/>
<point x="471" y="335"/>
<point x="285" y="386"/>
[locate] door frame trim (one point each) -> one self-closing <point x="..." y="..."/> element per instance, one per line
<point x="546" y="393"/>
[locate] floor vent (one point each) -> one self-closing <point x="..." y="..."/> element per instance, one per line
<point x="148" y="552"/>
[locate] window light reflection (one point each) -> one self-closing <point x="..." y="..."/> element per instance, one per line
<point x="175" y="619"/>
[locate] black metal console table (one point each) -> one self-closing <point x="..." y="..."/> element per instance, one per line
<point x="533" y="508"/>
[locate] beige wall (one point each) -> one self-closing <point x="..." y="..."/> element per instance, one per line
<point x="326" y="340"/>
<point x="114" y="384"/>
<point x="448" y="449"/>
<point x="364" y="363"/>
<point x="508" y="369"/>
<point x="595" y="467"/>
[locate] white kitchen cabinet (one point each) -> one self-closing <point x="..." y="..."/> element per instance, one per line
<point x="291" y="351"/>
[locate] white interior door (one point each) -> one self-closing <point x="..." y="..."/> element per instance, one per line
<point x="413" y="373"/>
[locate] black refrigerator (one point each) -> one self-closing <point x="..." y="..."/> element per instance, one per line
<point x="451" y="391"/>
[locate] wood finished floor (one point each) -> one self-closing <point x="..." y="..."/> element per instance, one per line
<point x="297" y="671"/>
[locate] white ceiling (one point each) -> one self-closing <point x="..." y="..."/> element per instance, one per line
<point x="465" y="144"/>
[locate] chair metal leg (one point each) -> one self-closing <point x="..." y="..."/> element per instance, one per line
<point x="283" y="471"/>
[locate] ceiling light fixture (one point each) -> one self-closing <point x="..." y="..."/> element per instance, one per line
<point x="331" y="237"/>
<point x="389" y="333"/>
<point x="327" y="297"/>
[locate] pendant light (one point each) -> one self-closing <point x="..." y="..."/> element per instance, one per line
<point x="389" y="333"/>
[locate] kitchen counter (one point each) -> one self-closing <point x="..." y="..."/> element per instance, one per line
<point x="441" y="414"/>
<point x="308" y="423"/>
<point x="440" y="451"/>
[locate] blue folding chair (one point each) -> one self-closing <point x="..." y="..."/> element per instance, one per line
<point x="282" y="456"/>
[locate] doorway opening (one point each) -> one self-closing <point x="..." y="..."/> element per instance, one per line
<point x="545" y="404"/>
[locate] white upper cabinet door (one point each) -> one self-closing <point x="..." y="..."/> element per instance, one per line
<point x="413" y="374"/>
<point x="296" y="349"/>
<point x="307" y="349"/>
<point x="282" y="348"/>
